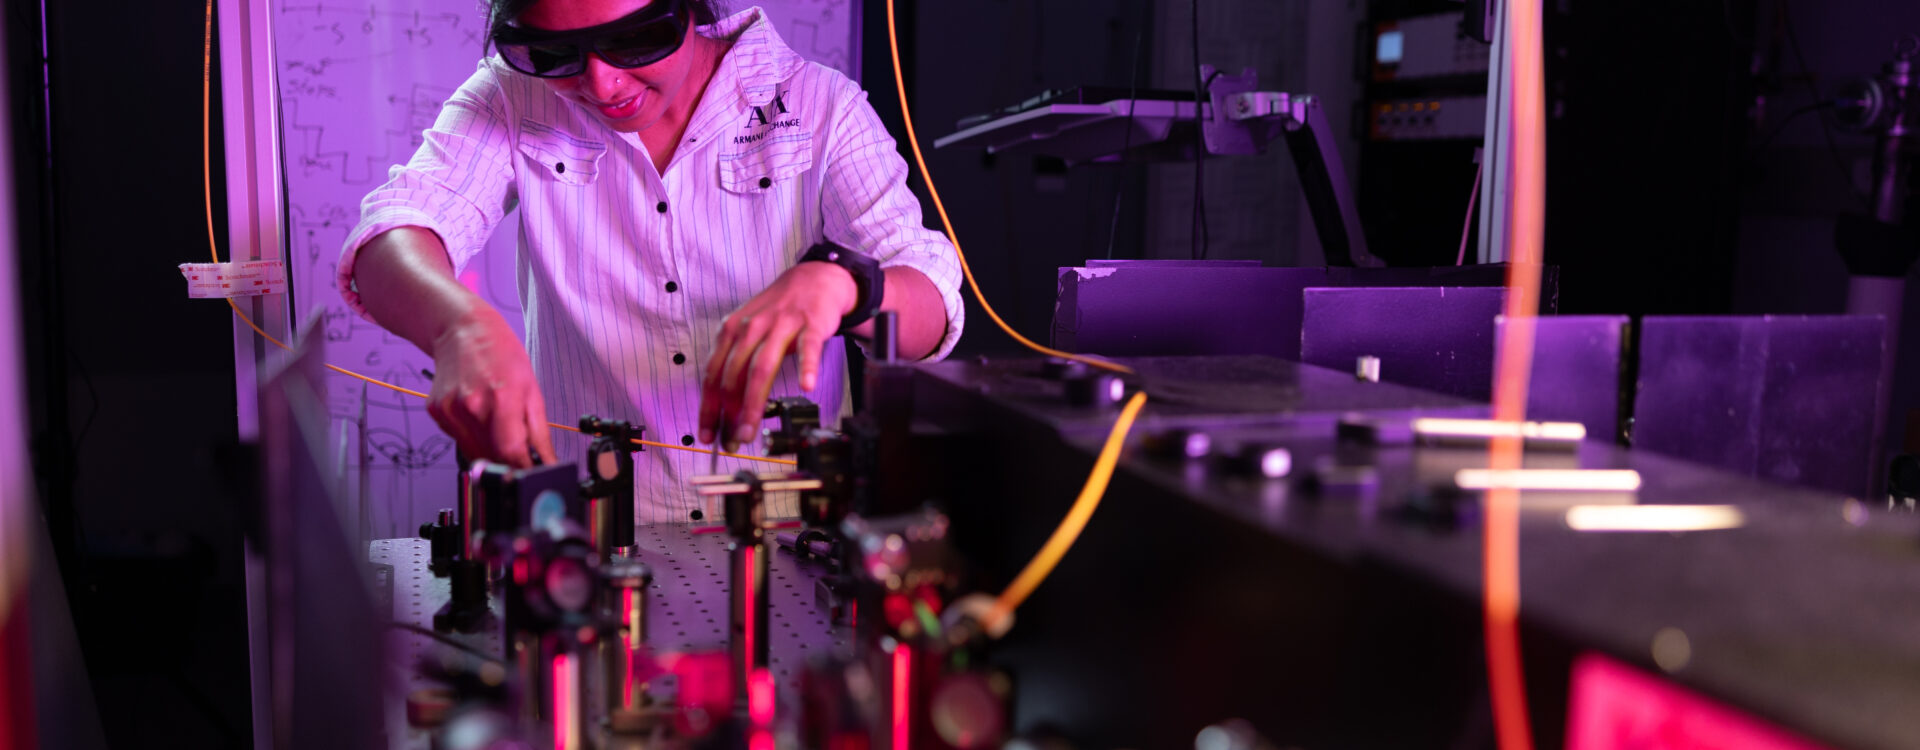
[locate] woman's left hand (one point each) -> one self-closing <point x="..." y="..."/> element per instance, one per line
<point x="797" y="314"/>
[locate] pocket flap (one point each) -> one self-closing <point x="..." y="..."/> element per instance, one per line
<point x="766" y="163"/>
<point x="571" y="160"/>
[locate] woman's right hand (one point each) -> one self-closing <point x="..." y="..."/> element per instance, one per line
<point x="484" y="393"/>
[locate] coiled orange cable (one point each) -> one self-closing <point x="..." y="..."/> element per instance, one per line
<point x="906" y="115"/>
<point x="1064" y="535"/>
<point x="1500" y="536"/>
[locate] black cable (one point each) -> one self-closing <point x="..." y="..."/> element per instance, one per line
<point x="1200" y="180"/>
<point x="1199" y="225"/>
<point x="1806" y="73"/>
<point x="443" y="638"/>
<point x="1133" y="97"/>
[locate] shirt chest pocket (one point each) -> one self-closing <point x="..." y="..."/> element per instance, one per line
<point x="563" y="160"/>
<point x="772" y="167"/>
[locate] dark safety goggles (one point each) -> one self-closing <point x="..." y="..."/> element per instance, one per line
<point x="643" y="37"/>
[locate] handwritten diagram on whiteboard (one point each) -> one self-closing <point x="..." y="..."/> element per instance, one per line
<point x="358" y="85"/>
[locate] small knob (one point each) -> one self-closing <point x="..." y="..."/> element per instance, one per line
<point x="628" y="575"/>
<point x="1440" y="508"/>
<point x="1178" y="444"/>
<point x="1058" y="368"/>
<point x="1367" y="369"/>
<point x="1095" y="390"/>
<point x="1264" y="460"/>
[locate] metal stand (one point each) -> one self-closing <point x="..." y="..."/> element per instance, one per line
<point x="628" y="604"/>
<point x="468" y="569"/>
<point x="748" y="556"/>
<point x="568" y="692"/>
<point x="467" y="611"/>
<point x="609" y="484"/>
<point x="747" y="596"/>
<point x="1880" y="248"/>
<point x="747" y="612"/>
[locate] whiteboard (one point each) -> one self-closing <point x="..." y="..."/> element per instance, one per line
<point x="358" y="85"/>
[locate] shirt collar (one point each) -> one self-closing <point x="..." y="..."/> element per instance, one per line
<point x="759" y="60"/>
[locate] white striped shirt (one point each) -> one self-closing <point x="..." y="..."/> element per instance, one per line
<point x="625" y="273"/>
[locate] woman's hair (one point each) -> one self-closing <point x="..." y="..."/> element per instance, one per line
<point x="502" y="12"/>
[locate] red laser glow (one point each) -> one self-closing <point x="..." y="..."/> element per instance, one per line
<point x="760" y="697"/>
<point x="902" y="685"/>
<point x="561" y="679"/>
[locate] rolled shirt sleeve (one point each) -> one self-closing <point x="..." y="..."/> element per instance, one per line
<point x="869" y="209"/>
<point x="458" y="185"/>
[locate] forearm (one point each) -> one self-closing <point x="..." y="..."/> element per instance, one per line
<point x="917" y="305"/>
<point x="407" y="284"/>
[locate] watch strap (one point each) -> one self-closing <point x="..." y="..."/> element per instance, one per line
<point x="867" y="277"/>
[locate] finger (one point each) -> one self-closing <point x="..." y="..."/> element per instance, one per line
<point x="539" y="433"/>
<point x="759" y="379"/>
<point x="711" y="400"/>
<point x="445" y="421"/>
<point x="733" y="375"/>
<point x="811" y="348"/>
<point x="508" y="429"/>
<point x="751" y="334"/>
<point x="457" y="417"/>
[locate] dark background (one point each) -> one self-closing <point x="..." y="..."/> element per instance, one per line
<point x="1658" y="203"/>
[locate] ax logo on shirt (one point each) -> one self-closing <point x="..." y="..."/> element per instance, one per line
<point x="758" y="118"/>
<point x="759" y="115"/>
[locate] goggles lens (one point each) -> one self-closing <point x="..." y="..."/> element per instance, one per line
<point x="643" y="38"/>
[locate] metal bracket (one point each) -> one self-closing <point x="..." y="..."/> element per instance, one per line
<point x="1244" y="121"/>
<point x="1261" y="104"/>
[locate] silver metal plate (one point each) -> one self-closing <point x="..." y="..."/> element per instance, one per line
<point x="688" y="603"/>
<point x="687" y="612"/>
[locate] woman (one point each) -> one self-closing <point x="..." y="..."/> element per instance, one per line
<point x="674" y="173"/>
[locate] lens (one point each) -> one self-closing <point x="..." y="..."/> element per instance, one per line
<point x="543" y="60"/>
<point x="569" y="584"/>
<point x="642" y="46"/>
<point x="554" y="59"/>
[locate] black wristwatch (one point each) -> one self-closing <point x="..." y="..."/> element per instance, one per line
<point x="867" y="275"/>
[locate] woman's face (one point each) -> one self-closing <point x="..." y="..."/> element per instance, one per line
<point x="626" y="99"/>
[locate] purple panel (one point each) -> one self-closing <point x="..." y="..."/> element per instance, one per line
<point x="1165" y="308"/>
<point x="1112" y="263"/>
<point x="1698" y="389"/>
<point x="1578" y="368"/>
<point x="1784" y="398"/>
<point x="1437" y="338"/>
<point x="1821" y="397"/>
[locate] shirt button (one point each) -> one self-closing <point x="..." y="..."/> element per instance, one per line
<point x="661" y="207"/>
<point x="766" y="182"/>
<point x="686" y="440"/>
<point x="672" y="287"/>
<point x="679" y="359"/>
<point x="560" y="167"/>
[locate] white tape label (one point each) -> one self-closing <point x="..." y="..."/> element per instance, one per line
<point x="244" y="279"/>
